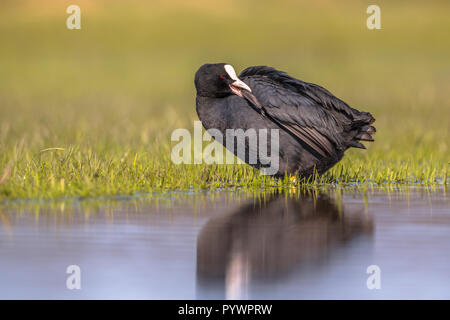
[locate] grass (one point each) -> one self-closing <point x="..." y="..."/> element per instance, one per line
<point x="89" y="112"/>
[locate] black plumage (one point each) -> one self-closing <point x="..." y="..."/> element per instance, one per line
<point x="316" y="128"/>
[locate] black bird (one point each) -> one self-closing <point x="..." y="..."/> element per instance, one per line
<point x="315" y="127"/>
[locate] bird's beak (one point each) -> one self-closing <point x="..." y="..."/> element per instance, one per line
<point x="237" y="86"/>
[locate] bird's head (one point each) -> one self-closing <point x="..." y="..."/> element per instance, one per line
<point x="218" y="80"/>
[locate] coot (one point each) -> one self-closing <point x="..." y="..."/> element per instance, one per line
<point x="315" y="128"/>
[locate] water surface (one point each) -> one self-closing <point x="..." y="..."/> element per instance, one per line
<point x="230" y="245"/>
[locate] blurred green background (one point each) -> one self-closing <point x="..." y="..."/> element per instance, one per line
<point x="110" y="94"/>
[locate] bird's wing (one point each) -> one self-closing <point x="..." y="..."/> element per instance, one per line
<point x="301" y="116"/>
<point x="321" y="96"/>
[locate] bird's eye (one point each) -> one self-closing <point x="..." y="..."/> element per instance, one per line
<point x="222" y="76"/>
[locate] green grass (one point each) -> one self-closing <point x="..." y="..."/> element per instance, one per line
<point x="90" y="112"/>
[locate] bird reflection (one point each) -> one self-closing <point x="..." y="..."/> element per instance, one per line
<point x="265" y="240"/>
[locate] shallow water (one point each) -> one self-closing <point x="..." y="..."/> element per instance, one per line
<point x="230" y="245"/>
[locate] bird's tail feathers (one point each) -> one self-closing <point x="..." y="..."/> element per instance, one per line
<point x="363" y="130"/>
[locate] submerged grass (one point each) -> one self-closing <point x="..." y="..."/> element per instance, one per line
<point x="90" y="112"/>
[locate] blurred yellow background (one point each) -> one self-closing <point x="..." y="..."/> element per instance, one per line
<point x="125" y="80"/>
